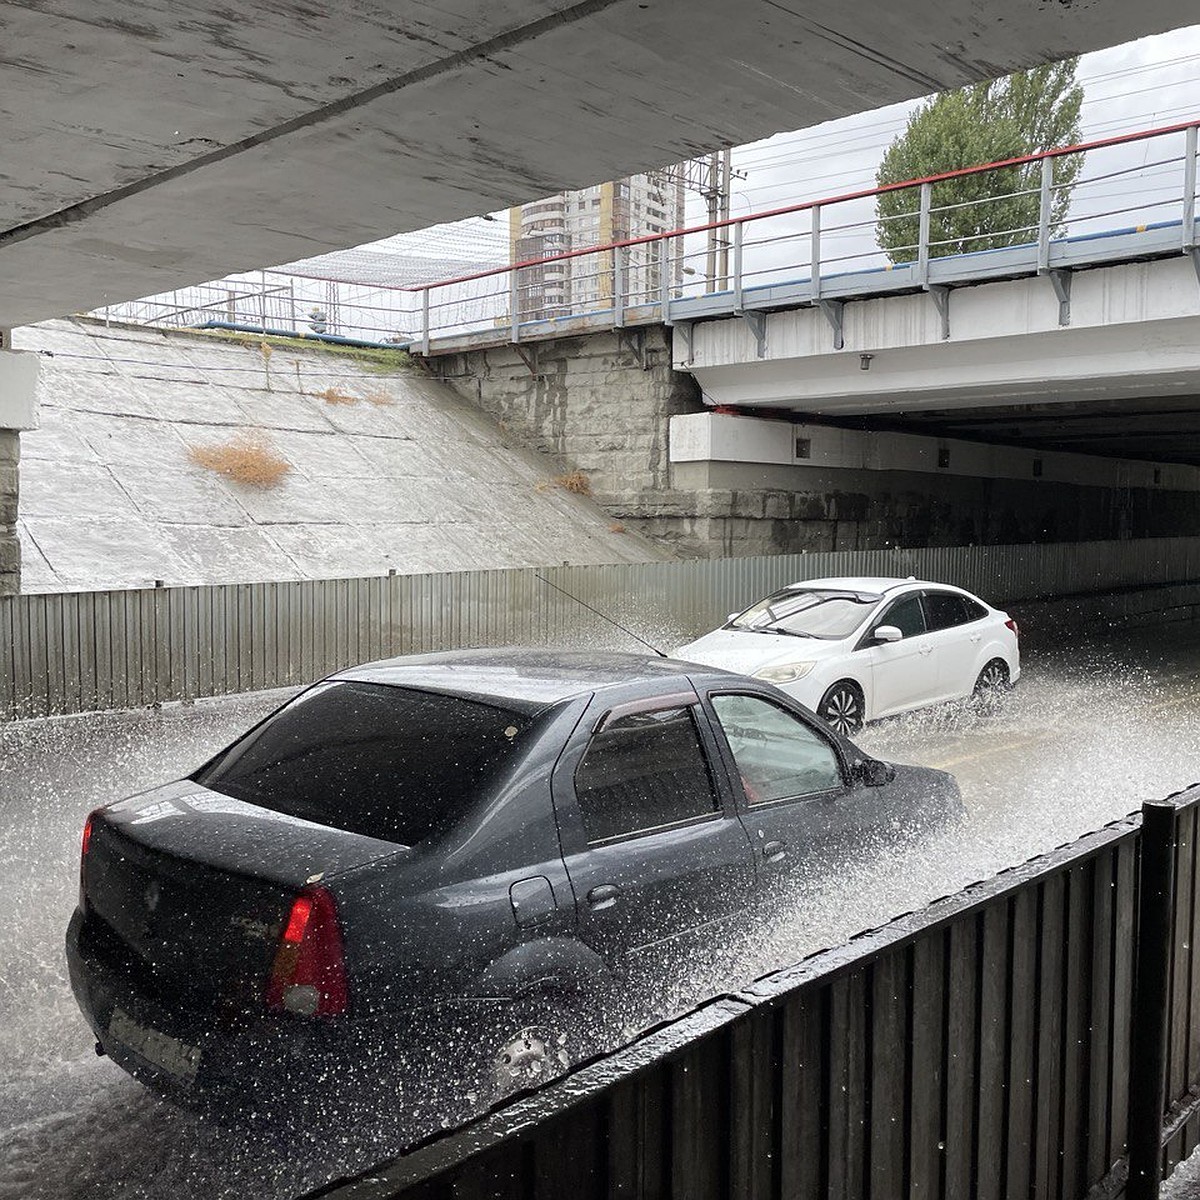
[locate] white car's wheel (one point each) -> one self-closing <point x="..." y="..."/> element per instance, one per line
<point x="843" y="707"/>
<point x="991" y="688"/>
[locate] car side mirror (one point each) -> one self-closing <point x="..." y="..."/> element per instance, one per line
<point x="732" y="617"/>
<point x="888" y="633"/>
<point x="874" y="773"/>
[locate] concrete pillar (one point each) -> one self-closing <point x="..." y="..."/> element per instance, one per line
<point x="18" y="411"/>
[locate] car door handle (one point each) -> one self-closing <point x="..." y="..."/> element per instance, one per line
<point x="926" y="648"/>
<point x="604" y="895"/>
<point x="774" y="851"/>
<point x="975" y="637"/>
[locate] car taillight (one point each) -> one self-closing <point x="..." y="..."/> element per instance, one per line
<point x="84" y="845"/>
<point x="1013" y="626"/>
<point x="309" y="973"/>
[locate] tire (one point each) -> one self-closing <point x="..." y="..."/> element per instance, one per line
<point x="991" y="688"/>
<point x="843" y="707"/>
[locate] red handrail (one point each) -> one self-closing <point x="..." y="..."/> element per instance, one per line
<point x="806" y="205"/>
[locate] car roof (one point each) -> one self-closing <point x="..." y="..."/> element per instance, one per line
<point x="873" y="583"/>
<point x="538" y="677"/>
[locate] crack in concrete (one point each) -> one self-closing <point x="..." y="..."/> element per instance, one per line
<point x="481" y="52"/>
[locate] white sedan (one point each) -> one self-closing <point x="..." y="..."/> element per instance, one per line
<point x="853" y="650"/>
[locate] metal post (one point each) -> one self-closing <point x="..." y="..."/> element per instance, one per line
<point x="664" y="280"/>
<point x="620" y="260"/>
<point x="262" y="303"/>
<point x="1151" y="996"/>
<point x="514" y="305"/>
<point x="1189" y="188"/>
<point x="1044" y="206"/>
<point x="923" y="233"/>
<point x="815" y="268"/>
<point x="739" y="231"/>
<point x="425" y="321"/>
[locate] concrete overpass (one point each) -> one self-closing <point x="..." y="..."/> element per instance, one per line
<point x="149" y="146"/>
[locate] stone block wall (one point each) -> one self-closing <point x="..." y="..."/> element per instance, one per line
<point x="601" y="404"/>
<point x="10" y="548"/>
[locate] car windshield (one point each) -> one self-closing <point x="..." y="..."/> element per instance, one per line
<point x="808" y="612"/>
<point x="388" y="762"/>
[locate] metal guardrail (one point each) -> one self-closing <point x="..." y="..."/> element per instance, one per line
<point x="83" y="651"/>
<point x="826" y="251"/>
<point x="1067" y="208"/>
<point x="1030" y="1036"/>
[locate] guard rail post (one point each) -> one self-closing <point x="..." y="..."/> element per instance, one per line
<point x="1151" y="999"/>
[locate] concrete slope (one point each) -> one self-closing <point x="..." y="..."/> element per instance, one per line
<point x="383" y="471"/>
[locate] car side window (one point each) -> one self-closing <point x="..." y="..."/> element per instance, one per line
<point x="906" y="615"/>
<point x="943" y="610"/>
<point x="777" y="754"/>
<point x="642" y="772"/>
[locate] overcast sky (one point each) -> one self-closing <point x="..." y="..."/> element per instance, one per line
<point x="1140" y="85"/>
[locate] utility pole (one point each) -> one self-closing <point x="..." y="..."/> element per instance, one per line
<point x="716" y="191"/>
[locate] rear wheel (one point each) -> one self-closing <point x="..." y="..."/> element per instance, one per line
<point x="843" y="707"/>
<point x="991" y="688"/>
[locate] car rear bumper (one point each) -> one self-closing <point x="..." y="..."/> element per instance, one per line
<point x="186" y="1049"/>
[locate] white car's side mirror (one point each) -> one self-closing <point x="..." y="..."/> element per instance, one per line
<point x="733" y="616"/>
<point x="888" y="633"/>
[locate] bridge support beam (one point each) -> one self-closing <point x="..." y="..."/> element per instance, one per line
<point x="18" y="411"/>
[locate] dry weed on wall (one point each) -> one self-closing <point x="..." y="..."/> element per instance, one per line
<point x="244" y="459"/>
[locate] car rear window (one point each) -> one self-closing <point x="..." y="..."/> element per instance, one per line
<point x="387" y="762"/>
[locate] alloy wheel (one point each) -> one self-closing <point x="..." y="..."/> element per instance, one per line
<point x="843" y="709"/>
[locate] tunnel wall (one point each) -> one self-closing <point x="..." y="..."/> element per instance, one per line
<point x="601" y="404"/>
<point x="84" y="651"/>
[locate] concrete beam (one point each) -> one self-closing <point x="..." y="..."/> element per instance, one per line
<point x="1134" y="332"/>
<point x="200" y="143"/>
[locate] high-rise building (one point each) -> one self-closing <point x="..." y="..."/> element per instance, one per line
<point x="639" y="206"/>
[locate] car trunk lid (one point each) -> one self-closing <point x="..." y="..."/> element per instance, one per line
<point x="193" y="889"/>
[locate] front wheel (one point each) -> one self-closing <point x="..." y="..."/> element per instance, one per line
<point x="991" y="688"/>
<point x="843" y="708"/>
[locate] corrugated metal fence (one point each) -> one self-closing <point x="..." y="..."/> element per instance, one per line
<point x="1035" y="1035"/>
<point x="82" y="651"/>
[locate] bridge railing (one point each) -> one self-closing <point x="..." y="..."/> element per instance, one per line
<point x="1121" y="197"/>
<point x="1116" y="198"/>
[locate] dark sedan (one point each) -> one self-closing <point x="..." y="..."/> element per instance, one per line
<point x="436" y="828"/>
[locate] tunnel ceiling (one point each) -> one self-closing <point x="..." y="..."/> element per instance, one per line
<point x="147" y="146"/>
<point x="1160" y="429"/>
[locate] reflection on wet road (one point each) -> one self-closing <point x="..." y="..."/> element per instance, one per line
<point x="1089" y="734"/>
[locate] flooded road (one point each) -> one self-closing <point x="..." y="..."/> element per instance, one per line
<point x="1090" y="733"/>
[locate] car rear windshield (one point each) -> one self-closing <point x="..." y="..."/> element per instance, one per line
<point x="808" y="613"/>
<point x="389" y="762"/>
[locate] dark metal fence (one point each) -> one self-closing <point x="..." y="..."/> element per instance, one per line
<point x="1034" y="1035"/>
<point x="82" y="651"/>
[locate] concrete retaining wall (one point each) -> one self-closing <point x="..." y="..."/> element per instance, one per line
<point x="10" y="547"/>
<point x="602" y="404"/>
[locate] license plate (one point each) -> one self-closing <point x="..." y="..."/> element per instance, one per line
<point x="156" y="1047"/>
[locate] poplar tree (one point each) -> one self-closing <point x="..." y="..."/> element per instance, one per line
<point x="987" y="122"/>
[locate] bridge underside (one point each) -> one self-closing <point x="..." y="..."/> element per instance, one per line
<point x="1118" y="374"/>
<point x="150" y="147"/>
